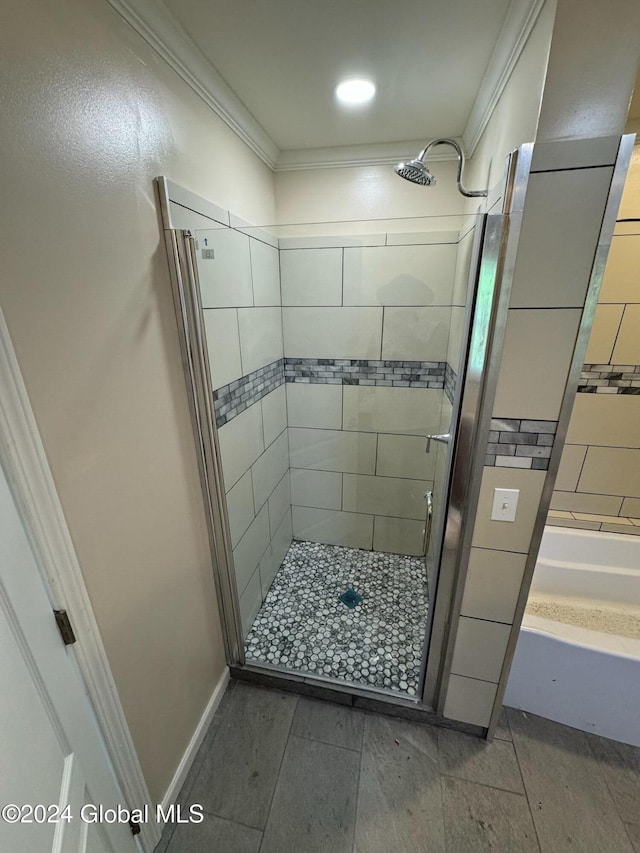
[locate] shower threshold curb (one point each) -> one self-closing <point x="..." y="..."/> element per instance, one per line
<point x="316" y="688"/>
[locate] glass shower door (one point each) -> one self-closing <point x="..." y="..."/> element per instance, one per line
<point x="443" y="446"/>
<point x="329" y="356"/>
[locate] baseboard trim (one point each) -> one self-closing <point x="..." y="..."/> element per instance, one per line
<point x="194" y="744"/>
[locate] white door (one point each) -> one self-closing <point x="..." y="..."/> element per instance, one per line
<point x="51" y="751"/>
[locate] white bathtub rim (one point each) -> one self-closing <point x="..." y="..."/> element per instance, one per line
<point x="567" y="565"/>
<point x="584" y="638"/>
<point x="586" y="575"/>
<point x="586" y="546"/>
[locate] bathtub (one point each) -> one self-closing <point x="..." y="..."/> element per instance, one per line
<point x="565" y="667"/>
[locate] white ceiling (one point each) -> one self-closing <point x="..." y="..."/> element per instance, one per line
<point x="283" y="59"/>
<point x="269" y="69"/>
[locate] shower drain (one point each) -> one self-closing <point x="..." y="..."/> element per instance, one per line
<point x="350" y="597"/>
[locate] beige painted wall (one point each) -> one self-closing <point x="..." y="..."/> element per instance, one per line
<point x="598" y="484"/>
<point x="370" y="192"/>
<point x="90" y="115"/>
<point x="365" y="192"/>
<point x="592" y="66"/>
<point x="515" y="118"/>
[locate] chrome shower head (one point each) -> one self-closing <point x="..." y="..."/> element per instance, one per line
<point x="417" y="172"/>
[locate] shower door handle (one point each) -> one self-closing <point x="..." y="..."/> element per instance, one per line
<point x="428" y="496"/>
<point x="443" y="438"/>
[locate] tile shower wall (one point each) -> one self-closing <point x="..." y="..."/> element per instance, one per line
<point x="366" y="344"/>
<point x="240" y="291"/>
<point x="598" y="484"/>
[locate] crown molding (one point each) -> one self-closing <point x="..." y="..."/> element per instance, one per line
<point x="345" y="156"/>
<point x="520" y="20"/>
<point x="159" y="28"/>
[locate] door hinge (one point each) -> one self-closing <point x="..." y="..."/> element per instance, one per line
<point x="134" y="827"/>
<point x="64" y="626"/>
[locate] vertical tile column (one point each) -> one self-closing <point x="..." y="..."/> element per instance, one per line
<point x="562" y="217"/>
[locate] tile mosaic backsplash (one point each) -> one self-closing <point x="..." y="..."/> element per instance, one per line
<point x="344" y="371"/>
<point x="450" y="382"/>
<point x="520" y="443"/>
<point x="232" y="399"/>
<point x="610" y="379"/>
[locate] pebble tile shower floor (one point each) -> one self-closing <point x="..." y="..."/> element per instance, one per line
<point x="302" y="625"/>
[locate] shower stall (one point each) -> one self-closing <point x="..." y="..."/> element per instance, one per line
<point x="327" y="365"/>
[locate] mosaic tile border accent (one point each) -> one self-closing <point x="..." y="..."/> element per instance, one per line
<point x="345" y="371"/>
<point x="450" y="382"/>
<point x="232" y="399"/>
<point x="610" y="379"/>
<point x="520" y="443"/>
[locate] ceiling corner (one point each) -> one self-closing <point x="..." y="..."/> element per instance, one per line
<point x="155" y="23"/>
<point x="520" y="20"/>
<point x="159" y="28"/>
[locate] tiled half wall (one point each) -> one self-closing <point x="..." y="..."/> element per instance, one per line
<point x="562" y="215"/>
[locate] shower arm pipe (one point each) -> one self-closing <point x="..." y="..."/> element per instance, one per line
<point x="461" y="161"/>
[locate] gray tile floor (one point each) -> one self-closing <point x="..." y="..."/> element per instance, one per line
<point x="279" y="773"/>
<point x="302" y="625"/>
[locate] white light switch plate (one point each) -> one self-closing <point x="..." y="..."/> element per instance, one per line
<point x="505" y="504"/>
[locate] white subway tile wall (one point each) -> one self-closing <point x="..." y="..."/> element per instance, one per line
<point x="223" y="345"/>
<point x="260" y="337"/>
<point x="224" y="268"/>
<point x="265" y="273"/>
<point x="333" y="450"/>
<point x="398" y="535"/>
<point x="332" y="332"/>
<point x="416" y="333"/>
<point x="399" y="275"/>
<point x="311" y="276"/>
<point x="333" y="527"/>
<point x="314" y="405"/>
<point x="320" y="489"/>
<point x="387" y="496"/>
<point x="269" y="469"/>
<point x="392" y="410"/>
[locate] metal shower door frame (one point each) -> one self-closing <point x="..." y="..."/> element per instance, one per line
<point x="485" y="329"/>
<point x="180" y="247"/>
<point x="468" y="435"/>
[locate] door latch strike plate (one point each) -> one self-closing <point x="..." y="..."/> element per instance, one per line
<point x="64" y="626"/>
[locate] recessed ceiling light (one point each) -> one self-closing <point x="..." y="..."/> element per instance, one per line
<point x="355" y="91"/>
